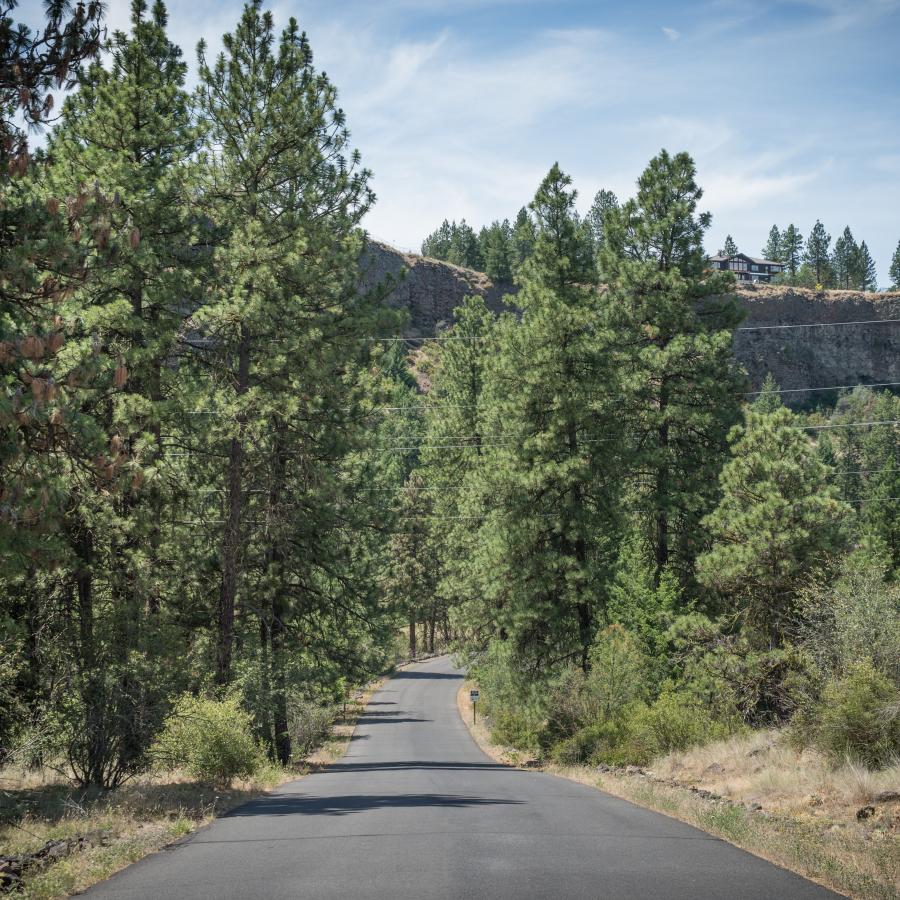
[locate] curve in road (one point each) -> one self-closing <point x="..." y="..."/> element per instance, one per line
<point x="416" y="810"/>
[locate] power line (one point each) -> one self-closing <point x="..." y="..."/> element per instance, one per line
<point x="834" y="387"/>
<point x="848" y="425"/>
<point x="422" y="407"/>
<point x="818" y="325"/>
<point x="481" y="337"/>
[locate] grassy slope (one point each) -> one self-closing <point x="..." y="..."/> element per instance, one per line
<point x="806" y="820"/>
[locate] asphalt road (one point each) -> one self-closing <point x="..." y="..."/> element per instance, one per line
<point x="416" y="810"/>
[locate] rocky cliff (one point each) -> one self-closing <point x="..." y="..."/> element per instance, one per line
<point x="826" y="355"/>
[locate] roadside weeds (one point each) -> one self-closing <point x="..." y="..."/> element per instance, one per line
<point x="140" y="817"/>
<point x="860" y="859"/>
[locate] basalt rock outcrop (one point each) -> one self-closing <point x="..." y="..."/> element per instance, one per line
<point x="826" y="355"/>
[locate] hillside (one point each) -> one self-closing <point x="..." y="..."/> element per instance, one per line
<point x="797" y="357"/>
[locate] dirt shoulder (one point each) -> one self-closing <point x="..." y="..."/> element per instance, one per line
<point x="741" y="794"/>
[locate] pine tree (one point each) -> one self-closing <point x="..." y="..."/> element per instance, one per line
<point x="894" y="271"/>
<point x="867" y="275"/>
<point x="604" y="201"/>
<point x="773" y="250"/>
<point x="545" y="548"/>
<point x="523" y="238"/>
<point x="453" y="455"/>
<point x="129" y="128"/>
<point x="42" y="261"/>
<point x="845" y="260"/>
<point x="880" y="462"/>
<point x="768" y="399"/>
<point x="286" y="195"/>
<point x="495" y="250"/>
<point x="791" y="250"/>
<point x="817" y="254"/>
<point x="464" y="247"/>
<point x="730" y="249"/>
<point x="437" y="244"/>
<point x="413" y="568"/>
<point x="777" y="520"/>
<point x="674" y="330"/>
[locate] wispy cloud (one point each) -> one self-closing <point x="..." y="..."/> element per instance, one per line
<point x="460" y="106"/>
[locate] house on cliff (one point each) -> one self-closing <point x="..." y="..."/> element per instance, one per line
<point x="747" y="268"/>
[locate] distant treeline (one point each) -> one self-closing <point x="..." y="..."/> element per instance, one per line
<point x="499" y="249"/>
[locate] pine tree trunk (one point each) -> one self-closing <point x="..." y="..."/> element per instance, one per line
<point x="232" y="534"/>
<point x="661" y="524"/>
<point x="661" y="516"/>
<point x="85" y="585"/>
<point x="279" y="685"/>
<point x="412" y="635"/>
<point x="275" y="567"/>
<point x="265" y="686"/>
<point x="155" y="500"/>
<point x="579" y="549"/>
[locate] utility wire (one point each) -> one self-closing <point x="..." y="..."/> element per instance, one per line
<point x="818" y="325"/>
<point x="423" y="407"/>
<point x="481" y="337"/>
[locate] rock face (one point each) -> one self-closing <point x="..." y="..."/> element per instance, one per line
<point x="826" y="355"/>
<point x="829" y="354"/>
<point x="428" y="289"/>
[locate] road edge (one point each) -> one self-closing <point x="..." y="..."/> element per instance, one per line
<point x="673" y="802"/>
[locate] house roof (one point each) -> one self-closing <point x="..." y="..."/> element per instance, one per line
<point x="754" y="259"/>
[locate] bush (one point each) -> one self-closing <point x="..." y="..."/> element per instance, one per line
<point x="597" y="742"/>
<point x="859" y="717"/>
<point x="309" y="723"/>
<point x="511" y="698"/>
<point x="516" y="728"/>
<point x="618" y="672"/>
<point x="640" y="732"/>
<point x="675" y="721"/>
<point x="616" y="680"/>
<point x="852" y="614"/>
<point x="211" y="739"/>
<point x="100" y="726"/>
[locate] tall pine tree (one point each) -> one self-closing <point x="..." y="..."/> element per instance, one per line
<point x="817" y="255"/>
<point x="773" y="249"/>
<point x="674" y="332"/>
<point x="547" y="543"/>
<point x="286" y="195"/>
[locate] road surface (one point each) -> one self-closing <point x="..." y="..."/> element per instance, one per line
<point x="416" y="810"/>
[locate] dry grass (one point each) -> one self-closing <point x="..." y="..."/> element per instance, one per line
<point x="762" y="767"/>
<point x="807" y="821"/>
<point x="140" y="817"/>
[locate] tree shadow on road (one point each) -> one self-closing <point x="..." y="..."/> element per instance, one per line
<point x="353" y="803"/>
<point x="401" y="765"/>
<point x="423" y="675"/>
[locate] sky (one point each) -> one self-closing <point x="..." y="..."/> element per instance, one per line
<point x="790" y="108"/>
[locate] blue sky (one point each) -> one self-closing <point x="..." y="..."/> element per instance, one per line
<point x="790" y="107"/>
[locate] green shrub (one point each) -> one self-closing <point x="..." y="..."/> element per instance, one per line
<point x="618" y="672"/>
<point x="516" y="728"/>
<point x="309" y="724"/>
<point x="211" y="739"/>
<point x="615" y="681"/>
<point x="597" y="742"/>
<point x="675" y="721"/>
<point x="859" y="717"/>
